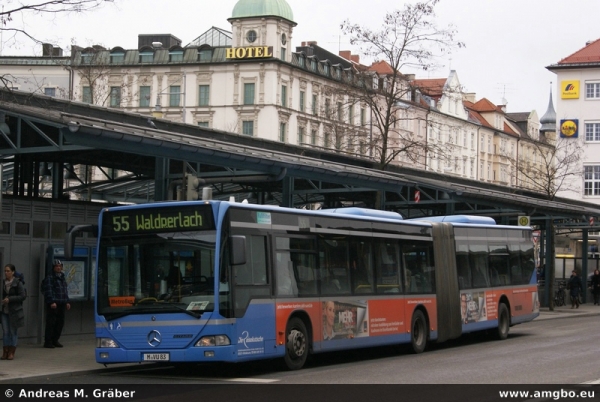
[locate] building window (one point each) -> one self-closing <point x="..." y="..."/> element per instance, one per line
<point x="117" y="58"/>
<point x="363" y="116"/>
<point x="145" y="96"/>
<point x="592" y="90"/>
<point x="203" y="124"/>
<point x="176" y="55"/>
<point x="50" y="92"/>
<point x="340" y="111"/>
<point x="326" y="139"/>
<point x="591" y="180"/>
<point x="283" y="54"/>
<point x="592" y="132"/>
<point x="282" y="129"/>
<point x="472" y="140"/>
<point x="283" y="96"/>
<point x="174" y="96"/>
<point x="115" y="96"/>
<point x="327" y="107"/>
<point x="205" y="55"/>
<point x="302" y="101"/>
<point x="300" y="135"/>
<point x="351" y="114"/>
<point x="86" y="96"/>
<point x="249" y="94"/>
<point x="251" y="36"/>
<point x="146" y="57"/>
<point x="313" y="137"/>
<point x="248" y="128"/>
<point x="314" y="105"/>
<point x="203" y="95"/>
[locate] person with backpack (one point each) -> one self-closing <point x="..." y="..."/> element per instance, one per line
<point x="13" y="317"/>
<point x="56" y="299"/>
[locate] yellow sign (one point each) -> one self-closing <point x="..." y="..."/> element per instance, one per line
<point x="569" y="128"/>
<point x="255" y="52"/>
<point x="524" y="220"/>
<point x="569" y="89"/>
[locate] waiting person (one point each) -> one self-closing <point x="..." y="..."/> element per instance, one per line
<point x="596" y="287"/>
<point x="56" y="298"/>
<point x="574" y="286"/>
<point x="13" y="317"/>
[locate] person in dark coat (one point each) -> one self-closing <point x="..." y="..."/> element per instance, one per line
<point x="56" y="298"/>
<point x="575" y="287"/>
<point x="13" y="317"/>
<point x="596" y="287"/>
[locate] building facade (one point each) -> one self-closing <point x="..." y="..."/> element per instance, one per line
<point x="578" y="117"/>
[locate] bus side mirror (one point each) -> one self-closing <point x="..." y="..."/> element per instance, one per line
<point x="72" y="233"/>
<point x="237" y="250"/>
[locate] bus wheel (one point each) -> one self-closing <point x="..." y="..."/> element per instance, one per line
<point x="296" y="346"/>
<point x="503" y="322"/>
<point x="418" y="333"/>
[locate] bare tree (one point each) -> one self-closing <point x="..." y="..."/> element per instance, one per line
<point x="12" y="12"/>
<point x="549" y="166"/>
<point x="408" y="38"/>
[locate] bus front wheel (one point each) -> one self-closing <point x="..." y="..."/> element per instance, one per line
<point x="296" y="345"/>
<point x="503" y="322"/>
<point x="418" y="333"/>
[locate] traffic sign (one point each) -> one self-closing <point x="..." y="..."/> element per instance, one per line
<point x="524" y="220"/>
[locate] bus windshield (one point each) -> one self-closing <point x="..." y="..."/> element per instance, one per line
<point x="156" y="273"/>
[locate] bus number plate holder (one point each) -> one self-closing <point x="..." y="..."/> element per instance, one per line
<point x="155" y="357"/>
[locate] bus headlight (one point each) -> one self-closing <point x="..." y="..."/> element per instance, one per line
<point x="106" y="343"/>
<point x="213" y="340"/>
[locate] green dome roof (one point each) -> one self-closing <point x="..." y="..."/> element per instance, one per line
<point x="260" y="8"/>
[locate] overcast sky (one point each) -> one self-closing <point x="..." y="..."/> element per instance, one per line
<point x="508" y="43"/>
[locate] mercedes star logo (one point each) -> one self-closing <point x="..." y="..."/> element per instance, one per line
<point x="154" y="338"/>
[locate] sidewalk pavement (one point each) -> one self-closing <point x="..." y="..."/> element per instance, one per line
<point x="77" y="357"/>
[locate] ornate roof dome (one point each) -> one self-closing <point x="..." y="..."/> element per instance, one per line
<point x="263" y="8"/>
<point x="548" y="120"/>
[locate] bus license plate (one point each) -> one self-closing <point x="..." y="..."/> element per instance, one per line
<point x="156" y="357"/>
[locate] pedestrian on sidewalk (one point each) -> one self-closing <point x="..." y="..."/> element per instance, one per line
<point x="13" y="317"/>
<point x="56" y="298"/>
<point x="574" y="286"/>
<point x="596" y="287"/>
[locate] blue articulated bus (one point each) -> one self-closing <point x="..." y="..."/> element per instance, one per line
<point x="204" y="281"/>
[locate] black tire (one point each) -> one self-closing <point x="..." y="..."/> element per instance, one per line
<point x="503" y="322"/>
<point x="419" y="332"/>
<point x="296" y="344"/>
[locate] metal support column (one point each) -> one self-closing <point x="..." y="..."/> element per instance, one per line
<point x="584" y="264"/>
<point x="161" y="181"/>
<point x="287" y="199"/>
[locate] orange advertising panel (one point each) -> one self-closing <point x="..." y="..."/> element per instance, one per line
<point x="349" y="319"/>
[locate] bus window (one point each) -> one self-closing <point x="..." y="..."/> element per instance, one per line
<point x="419" y="268"/>
<point x="334" y="266"/>
<point x="361" y="267"/>
<point x="295" y="266"/>
<point x="387" y="267"/>
<point x="478" y="263"/>
<point x="254" y="272"/>
<point x="499" y="269"/>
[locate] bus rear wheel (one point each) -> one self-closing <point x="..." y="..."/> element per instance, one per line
<point x="418" y="333"/>
<point x="296" y="344"/>
<point x="503" y="322"/>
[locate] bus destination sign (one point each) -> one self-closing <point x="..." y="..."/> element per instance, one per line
<point x="155" y="220"/>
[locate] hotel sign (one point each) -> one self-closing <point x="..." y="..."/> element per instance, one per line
<point x="253" y="52"/>
<point x="569" y="89"/>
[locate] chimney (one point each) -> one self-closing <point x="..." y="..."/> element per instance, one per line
<point x="346" y="54"/>
<point x="47" y="49"/>
<point x="469" y="96"/>
<point x="355" y="58"/>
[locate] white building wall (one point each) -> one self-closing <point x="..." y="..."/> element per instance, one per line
<point x="587" y="111"/>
